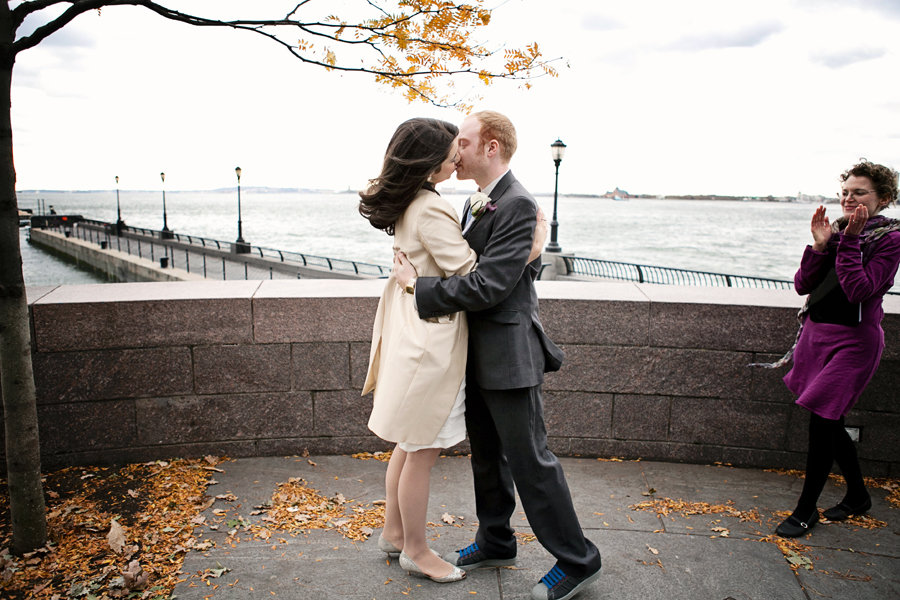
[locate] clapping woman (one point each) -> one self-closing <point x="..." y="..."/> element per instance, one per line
<point x="846" y="271"/>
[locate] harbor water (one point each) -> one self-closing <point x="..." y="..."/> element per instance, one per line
<point x="755" y="238"/>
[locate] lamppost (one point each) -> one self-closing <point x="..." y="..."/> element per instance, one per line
<point x="165" y="233"/>
<point x="557" y="149"/>
<point x="120" y="224"/>
<point x="240" y="246"/>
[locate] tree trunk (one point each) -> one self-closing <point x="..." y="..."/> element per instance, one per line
<point x="23" y="452"/>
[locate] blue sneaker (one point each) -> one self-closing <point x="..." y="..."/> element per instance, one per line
<point x="556" y="585"/>
<point x="473" y="557"/>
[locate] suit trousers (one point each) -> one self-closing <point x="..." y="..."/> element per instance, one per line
<point x="509" y="448"/>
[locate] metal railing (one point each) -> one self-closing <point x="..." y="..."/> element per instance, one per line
<point x="606" y="269"/>
<point x="214" y="258"/>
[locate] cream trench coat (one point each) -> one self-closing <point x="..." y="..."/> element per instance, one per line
<point x="416" y="366"/>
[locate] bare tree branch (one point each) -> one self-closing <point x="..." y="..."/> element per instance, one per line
<point x="26" y="8"/>
<point x="296" y="8"/>
<point x="367" y="34"/>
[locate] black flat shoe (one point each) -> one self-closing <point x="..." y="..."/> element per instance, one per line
<point x="842" y="511"/>
<point x="793" y="527"/>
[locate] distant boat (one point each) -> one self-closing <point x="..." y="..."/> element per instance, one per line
<point x="24" y="218"/>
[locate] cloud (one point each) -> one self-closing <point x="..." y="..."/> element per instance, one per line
<point x="745" y="37"/>
<point x="843" y="58"/>
<point x="890" y="8"/>
<point x="597" y="22"/>
<point x="887" y="8"/>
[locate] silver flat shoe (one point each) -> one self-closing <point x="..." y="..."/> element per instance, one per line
<point x="387" y="547"/>
<point x="406" y="563"/>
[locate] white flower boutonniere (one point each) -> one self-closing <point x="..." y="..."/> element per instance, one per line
<point x="479" y="203"/>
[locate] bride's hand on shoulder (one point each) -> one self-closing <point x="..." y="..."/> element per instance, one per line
<point x="540" y="236"/>
<point x="403" y="270"/>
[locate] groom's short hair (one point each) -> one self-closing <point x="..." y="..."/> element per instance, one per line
<point x="495" y="126"/>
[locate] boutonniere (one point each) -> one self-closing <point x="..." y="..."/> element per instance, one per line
<point x="481" y="202"/>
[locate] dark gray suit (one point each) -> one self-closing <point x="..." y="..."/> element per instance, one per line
<point x="508" y="355"/>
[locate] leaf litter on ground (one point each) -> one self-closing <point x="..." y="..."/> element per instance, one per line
<point x="114" y="532"/>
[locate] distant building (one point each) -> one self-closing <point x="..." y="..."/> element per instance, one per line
<point x="617" y="194"/>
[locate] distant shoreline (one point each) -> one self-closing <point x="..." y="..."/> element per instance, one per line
<point x="806" y="198"/>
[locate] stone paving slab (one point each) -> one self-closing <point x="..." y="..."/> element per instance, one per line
<point x="840" y="573"/>
<point x="644" y="556"/>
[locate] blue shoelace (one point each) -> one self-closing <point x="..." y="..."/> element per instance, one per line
<point x="553" y="577"/>
<point x="470" y="549"/>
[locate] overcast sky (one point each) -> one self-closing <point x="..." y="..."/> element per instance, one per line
<point x="750" y="97"/>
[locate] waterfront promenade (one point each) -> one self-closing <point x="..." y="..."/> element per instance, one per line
<point x="264" y="369"/>
<point x="712" y="555"/>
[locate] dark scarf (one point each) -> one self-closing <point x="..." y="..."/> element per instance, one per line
<point x="875" y="229"/>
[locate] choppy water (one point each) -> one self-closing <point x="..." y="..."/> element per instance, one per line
<point x="41" y="268"/>
<point x="763" y="239"/>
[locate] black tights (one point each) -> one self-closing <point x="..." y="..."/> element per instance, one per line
<point x="829" y="442"/>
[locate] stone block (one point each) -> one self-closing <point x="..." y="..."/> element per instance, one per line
<point x="728" y="423"/>
<point x="315" y="311"/>
<point x="359" y="363"/>
<point x="596" y="322"/>
<point x="341" y="413"/>
<point x="135" y="323"/>
<point x="645" y="450"/>
<point x="878" y="468"/>
<point x="33" y="293"/>
<point x="233" y="369"/>
<point x="722" y="318"/>
<point x="108" y="374"/>
<point x="321" y="446"/>
<point x="879" y="435"/>
<point x="313" y="319"/>
<point x="767" y="385"/>
<point x="891" y="469"/>
<point x="86" y="426"/>
<point x="891" y="326"/>
<point x="577" y="414"/>
<point x="797" y="434"/>
<point x="190" y="419"/>
<point x="754" y="457"/>
<point x="321" y="366"/>
<point x="135" y="454"/>
<point x="715" y="327"/>
<point x="653" y="371"/>
<point x="882" y="392"/>
<point x="636" y="417"/>
<point x="560" y="446"/>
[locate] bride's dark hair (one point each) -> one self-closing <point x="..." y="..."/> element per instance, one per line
<point x="415" y="152"/>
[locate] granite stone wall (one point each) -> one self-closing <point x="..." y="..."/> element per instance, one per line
<point x="139" y="371"/>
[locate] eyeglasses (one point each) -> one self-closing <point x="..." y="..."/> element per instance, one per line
<point x="856" y="193"/>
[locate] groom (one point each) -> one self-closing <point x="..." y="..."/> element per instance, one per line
<point x="508" y="355"/>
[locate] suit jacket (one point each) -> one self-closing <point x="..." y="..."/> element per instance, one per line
<point x="508" y="348"/>
<point x="416" y="366"/>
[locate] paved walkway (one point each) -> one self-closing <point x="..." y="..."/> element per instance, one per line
<point x="645" y="556"/>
